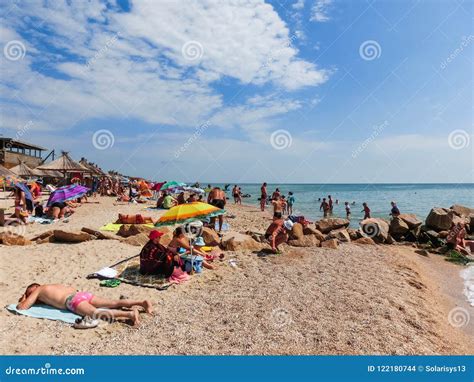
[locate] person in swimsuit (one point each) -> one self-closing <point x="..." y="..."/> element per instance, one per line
<point x="263" y="197"/>
<point x="456" y="239"/>
<point x="290" y="201"/>
<point x="21" y="212"/>
<point x="277" y="233"/>
<point x="325" y="207"/>
<point x="235" y="194"/>
<point x="331" y="206"/>
<point x="218" y="199"/>
<point x="394" y="211"/>
<point x="348" y="210"/>
<point x="180" y="244"/>
<point x="366" y="210"/>
<point x="278" y="207"/>
<point x="81" y="303"/>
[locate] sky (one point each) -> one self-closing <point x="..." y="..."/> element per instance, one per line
<point x="289" y="91"/>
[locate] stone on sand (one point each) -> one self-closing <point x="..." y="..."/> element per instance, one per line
<point x="410" y="220"/>
<point x="297" y="231"/>
<point x="375" y="228"/>
<point x="331" y="243"/>
<point x="71" y="237"/>
<point x="398" y="227"/>
<point x="127" y="230"/>
<point x="10" y="238"/>
<point x="210" y="236"/>
<point x="329" y="224"/>
<point x="305" y="241"/>
<point x="440" y="219"/>
<point x="340" y="234"/>
<point x="313" y="231"/>
<point x="365" y="241"/>
<point x="240" y="242"/>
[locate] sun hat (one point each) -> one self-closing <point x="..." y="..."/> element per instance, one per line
<point x="288" y="224"/>
<point x="155" y="234"/>
<point x="199" y="242"/>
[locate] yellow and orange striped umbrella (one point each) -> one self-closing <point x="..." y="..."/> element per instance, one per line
<point x="185" y="213"/>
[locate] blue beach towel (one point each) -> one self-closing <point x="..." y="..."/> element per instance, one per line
<point x="225" y="226"/>
<point x="45" y="311"/>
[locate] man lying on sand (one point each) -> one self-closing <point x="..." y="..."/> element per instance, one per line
<point x="81" y="303"/>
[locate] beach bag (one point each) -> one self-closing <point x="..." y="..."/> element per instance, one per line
<point x="197" y="263"/>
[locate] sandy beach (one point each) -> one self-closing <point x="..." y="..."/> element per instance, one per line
<point x="354" y="300"/>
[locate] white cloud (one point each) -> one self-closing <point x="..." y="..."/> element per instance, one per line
<point x="298" y="5"/>
<point x="320" y="10"/>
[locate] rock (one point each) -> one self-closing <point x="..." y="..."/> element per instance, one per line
<point x="10" y="238"/>
<point x="137" y="240"/>
<point x="71" y="237"/>
<point x="296" y="232"/>
<point x="462" y="211"/>
<point x="398" y="227"/>
<point x="340" y="234"/>
<point x="313" y="231"/>
<point x="305" y="241"/>
<point x="331" y="243"/>
<point x="47" y="239"/>
<point x="389" y="239"/>
<point x="365" y="241"/>
<point x="127" y="230"/>
<point x="440" y="219"/>
<point x="432" y="233"/>
<point x="376" y="229"/>
<point x="443" y="234"/>
<point x="354" y="234"/>
<point x="329" y="224"/>
<point x="410" y="220"/>
<point x="210" y="236"/>
<point x="240" y="242"/>
<point x="42" y="235"/>
<point x="99" y="235"/>
<point x="471" y="224"/>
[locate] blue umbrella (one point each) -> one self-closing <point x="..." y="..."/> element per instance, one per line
<point x="23" y="187"/>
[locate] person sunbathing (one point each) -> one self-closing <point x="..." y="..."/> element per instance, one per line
<point x="180" y="240"/>
<point x="277" y="233"/>
<point x="59" y="210"/>
<point x="82" y="303"/>
<point x="456" y="239"/>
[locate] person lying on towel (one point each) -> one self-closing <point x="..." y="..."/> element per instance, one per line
<point x="81" y="303"/>
<point x="156" y="259"/>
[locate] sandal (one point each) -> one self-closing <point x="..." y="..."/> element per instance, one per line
<point x="86" y="323"/>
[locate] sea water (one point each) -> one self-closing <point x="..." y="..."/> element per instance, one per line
<point x="417" y="199"/>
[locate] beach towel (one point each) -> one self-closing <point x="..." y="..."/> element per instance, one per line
<point x="114" y="227"/>
<point x="225" y="226"/>
<point x="128" y="272"/>
<point x="46" y="312"/>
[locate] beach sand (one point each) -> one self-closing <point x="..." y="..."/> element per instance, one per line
<point x="353" y="300"/>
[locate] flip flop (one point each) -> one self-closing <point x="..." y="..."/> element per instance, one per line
<point x="86" y="323"/>
<point x="111" y="283"/>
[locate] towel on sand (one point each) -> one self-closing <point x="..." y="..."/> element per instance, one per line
<point x="114" y="227"/>
<point x="46" y="311"/>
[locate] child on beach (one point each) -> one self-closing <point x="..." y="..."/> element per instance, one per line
<point x="394" y="211"/>
<point x="348" y="210"/>
<point x="366" y="211"/>
<point x="82" y="303"/>
<point x="290" y="201"/>
<point x="325" y="207"/>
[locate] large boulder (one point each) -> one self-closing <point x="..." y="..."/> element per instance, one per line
<point x="210" y="236"/>
<point x="410" y="220"/>
<point x="313" y="231"/>
<point x="138" y="240"/>
<point x="376" y="229"/>
<point x="354" y="234"/>
<point x="296" y="232"/>
<point x="305" y="241"/>
<point x="462" y="210"/>
<point x="398" y="227"/>
<point x="365" y="241"/>
<point x="71" y="237"/>
<point x="10" y="238"/>
<point x="340" y="234"/>
<point x="331" y="243"/>
<point x="127" y="230"/>
<point x="440" y="219"/>
<point x="100" y="235"/>
<point x="240" y="242"/>
<point x="329" y="224"/>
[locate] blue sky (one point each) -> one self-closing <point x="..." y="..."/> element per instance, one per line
<point x="317" y="91"/>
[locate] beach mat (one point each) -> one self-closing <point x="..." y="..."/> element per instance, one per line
<point x="115" y="227"/>
<point x="46" y="312"/>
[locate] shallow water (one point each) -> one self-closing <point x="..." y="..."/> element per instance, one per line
<point x="410" y="198"/>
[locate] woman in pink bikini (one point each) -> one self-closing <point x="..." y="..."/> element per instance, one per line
<point x="82" y="303"/>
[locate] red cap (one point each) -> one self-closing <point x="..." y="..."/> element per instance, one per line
<point x="155" y="234"/>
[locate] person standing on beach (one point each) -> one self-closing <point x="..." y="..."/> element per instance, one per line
<point x="263" y="196"/>
<point x="217" y="199"/>
<point x="278" y="208"/>
<point x="276" y="194"/>
<point x="325" y="207"/>
<point x="330" y="204"/>
<point x="395" y="212"/>
<point x="366" y="211"/>
<point x="235" y="194"/>
<point x="290" y="201"/>
<point x="348" y="210"/>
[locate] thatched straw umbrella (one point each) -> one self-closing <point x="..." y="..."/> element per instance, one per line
<point x="23" y="170"/>
<point x="64" y="164"/>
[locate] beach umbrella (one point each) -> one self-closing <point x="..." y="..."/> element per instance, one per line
<point x="185" y="213"/>
<point x="194" y="190"/>
<point x="171" y="185"/>
<point x="65" y="193"/>
<point x="23" y="170"/>
<point x="23" y="187"/>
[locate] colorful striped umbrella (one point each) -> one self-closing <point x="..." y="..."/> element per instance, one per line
<point x="185" y="213"/>
<point x="171" y="185"/>
<point x="66" y="193"/>
<point x="23" y="187"/>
